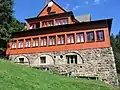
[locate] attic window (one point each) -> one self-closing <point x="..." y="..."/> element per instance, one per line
<point x="61" y="21"/>
<point x="51" y="13"/>
<point x="47" y="23"/>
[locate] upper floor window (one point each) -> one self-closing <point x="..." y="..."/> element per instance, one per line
<point x="20" y="43"/>
<point x="90" y="36"/>
<point x="35" y="42"/>
<point x="28" y="42"/>
<point x="61" y="39"/>
<point x="52" y="40"/>
<point x="47" y="23"/>
<point x="80" y="37"/>
<point x="14" y="42"/>
<point x="43" y="41"/>
<point x="32" y="26"/>
<point x="35" y="25"/>
<point x="100" y="35"/>
<point x="61" y="21"/>
<point x="70" y="38"/>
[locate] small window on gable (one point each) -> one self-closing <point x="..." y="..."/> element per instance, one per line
<point x="43" y="41"/>
<point x="14" y="42"/>
<point x="28" y="43"/>
<point x="61" y="21"/>
<point x="100" y="35"/>
<point x="90" y="36"/>
<point x="51" y="13"/>
<point x="70" y="38"/>
<point x="80" y="37"/>
<point x="52" y="40"/>
<point x="21" y="60"/>
<point x="61" y="39"/>
<point x="35" y="42"/>
<point x="47" y="23"/>
<point x="43" y="59"/>
<point x="20" y="43"/>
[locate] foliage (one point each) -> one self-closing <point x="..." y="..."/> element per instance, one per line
<point x="17" y="77"/>
<point x="8" y="24"/>
<point x="115" y="42"/>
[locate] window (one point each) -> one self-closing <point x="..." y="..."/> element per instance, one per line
<point x="35" y="25"/>
<point x="35" y="42"/>
<point x="80" y="37"/>
<point x="61" y="39"/>
<point x="47" y="23"/>
<point x="100" y="35"/>
<point x="21" y="60"/>
<point x="28" y="42"/>
<point x="20" y="43"/>
<point x="14" y="44"/>
<point x="52" y="40"/>
<point x="70" y="38"/>
<point x="61" y="21"/>
<point x="71" y="59"/>
<point x="51" y="13"/>
<point x="90" y="36"/>
<point x="43" y="59"/>
<point x="43" y="41"/>
<point x="32" y="26"/>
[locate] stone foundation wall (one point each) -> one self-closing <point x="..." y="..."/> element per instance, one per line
<point x="90" y="63"/>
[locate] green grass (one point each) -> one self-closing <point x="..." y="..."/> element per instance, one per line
<point x="17" y="77"/>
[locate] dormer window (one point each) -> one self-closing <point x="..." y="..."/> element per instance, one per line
<point x="47" y="23"/>
<point x="61" y="21"/>
<point x="31" y="26"/>
<point x="35" y="25"/>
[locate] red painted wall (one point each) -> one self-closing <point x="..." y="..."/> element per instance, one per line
<point x="75" y="46"/>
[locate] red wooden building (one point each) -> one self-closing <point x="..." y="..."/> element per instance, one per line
<point x="56" y="38"/>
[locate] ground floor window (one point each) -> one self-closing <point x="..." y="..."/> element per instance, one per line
<point x="43" y="59"/>
<point x="21" y="60"/>
<point x="71" y="59"/>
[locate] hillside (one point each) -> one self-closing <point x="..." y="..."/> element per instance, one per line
<point x="17" y="77"/>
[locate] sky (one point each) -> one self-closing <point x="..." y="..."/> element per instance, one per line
<point x="98" y="9"/>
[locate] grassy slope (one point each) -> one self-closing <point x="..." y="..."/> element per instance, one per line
<point x="16" y="77"/>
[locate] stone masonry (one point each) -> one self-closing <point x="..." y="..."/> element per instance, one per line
<point x="98" y="63"/>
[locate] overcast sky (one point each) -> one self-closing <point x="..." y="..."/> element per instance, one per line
<point x="99" y="9"/>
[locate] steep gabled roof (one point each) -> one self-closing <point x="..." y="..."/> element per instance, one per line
<point x="55" y="7"/>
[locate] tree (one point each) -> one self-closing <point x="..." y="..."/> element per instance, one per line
<point x="115" y="42"/>
<point x="8" y="24"/>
